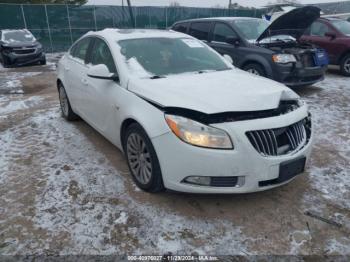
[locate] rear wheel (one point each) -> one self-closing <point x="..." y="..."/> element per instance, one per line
<point x="255" y="69"/>
<point x="66" y="108"/>
<point x="142" y="159"/>
<point x="345" y="65"/>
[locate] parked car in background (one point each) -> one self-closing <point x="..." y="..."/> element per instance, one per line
<point x="186" y="119"/>
<point x="332" y="34"/>
<point x="270" y="50"/>
<point x="19" y="47"/>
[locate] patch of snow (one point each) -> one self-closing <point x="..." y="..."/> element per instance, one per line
<point x="331" y="125"/>
<point x="10" y="106"/>
<point x="137" y="69"/>
<point x="85" y="197"/>
<point x="299" y="241"/>
<point x="11" y="81"/>
<point x="341" y="247"/>
<point x="122" y="219"/>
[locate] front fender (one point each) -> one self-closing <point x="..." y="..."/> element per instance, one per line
<point x="254" y="58"/>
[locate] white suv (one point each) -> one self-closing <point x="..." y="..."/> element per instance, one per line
<point x="186" y="119"/>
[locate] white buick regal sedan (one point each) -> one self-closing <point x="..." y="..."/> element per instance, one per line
<point x="186" y="119"/>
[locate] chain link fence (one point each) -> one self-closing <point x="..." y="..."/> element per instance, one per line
<point x="58" y="26"/>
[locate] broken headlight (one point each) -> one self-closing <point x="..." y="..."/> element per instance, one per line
<point x="283" y="58"/>
<point x="198" y="134"/>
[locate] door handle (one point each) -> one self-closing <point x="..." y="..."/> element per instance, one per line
<point x="66" y="68"/>
<point x="84" y="81"/>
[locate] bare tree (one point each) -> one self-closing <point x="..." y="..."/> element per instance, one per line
<point x="174" y="4"/>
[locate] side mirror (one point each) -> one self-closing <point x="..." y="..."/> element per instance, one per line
<point x="228" y="58"/>
<point x="232" y="40"/>
<point x="330" y="35"/>
<point x="101" y="72"/>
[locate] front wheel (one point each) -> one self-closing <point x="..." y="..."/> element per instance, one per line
<point x="255" y="69"/>
<point x="43" y="61"/>
<point x="66" y="108"/>
<point x="345" y="65"/>
<point x="142" y="159"/>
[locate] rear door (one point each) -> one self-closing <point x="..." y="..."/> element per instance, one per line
<point x="221" y="32"/>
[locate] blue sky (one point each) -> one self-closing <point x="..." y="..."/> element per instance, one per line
<point x="198" y="3"/>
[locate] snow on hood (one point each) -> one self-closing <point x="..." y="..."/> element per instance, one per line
<point x="215" y="92"/>
<point x="293" y="23"/>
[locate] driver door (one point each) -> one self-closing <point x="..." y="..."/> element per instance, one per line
<point x="102" y="107"/>
<point x="219" y="37"/>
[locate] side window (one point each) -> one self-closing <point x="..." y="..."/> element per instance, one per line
<point x="200" y="30"/>
<point x="318" y="29"/>
<point x="222" y="31"/>
<point x="181" y="27"/>
<point x="80" y="49"/>
<point x="102" y="55"/>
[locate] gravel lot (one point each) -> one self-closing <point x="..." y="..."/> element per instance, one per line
<point x="66" y="190"/>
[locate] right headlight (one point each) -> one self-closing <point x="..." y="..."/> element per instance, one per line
<point x="198" y="134"/>
<point x="283" y="58"/>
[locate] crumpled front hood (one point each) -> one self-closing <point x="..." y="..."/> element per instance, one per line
<point x="293" y="23"/>
<point x="214" y="92"/>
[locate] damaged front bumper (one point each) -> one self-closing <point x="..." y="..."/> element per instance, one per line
<point x="240" y="170"/>
<point x="298" y="75"/>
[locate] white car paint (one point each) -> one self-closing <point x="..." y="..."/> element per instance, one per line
<point x="105" y="105"/>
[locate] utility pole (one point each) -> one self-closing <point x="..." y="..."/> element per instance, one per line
<point x="131" y="14"/>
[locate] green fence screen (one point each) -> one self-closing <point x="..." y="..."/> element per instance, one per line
<point x="58" y="26"/>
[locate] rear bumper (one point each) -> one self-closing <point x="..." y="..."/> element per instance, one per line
<point x="292" y="75"/>
<point x="19" y="60"/>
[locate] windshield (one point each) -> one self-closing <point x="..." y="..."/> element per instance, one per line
<point x="251" y="28"/>
<point x="342" y="26"/>
<point x="18" y="36"/>
<point x="164" y="56"/>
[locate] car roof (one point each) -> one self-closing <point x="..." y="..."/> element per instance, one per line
<point x="224" y="18"/>
<point x="123" y="34"/>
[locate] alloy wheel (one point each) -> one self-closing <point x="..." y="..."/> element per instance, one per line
<point x="139" y="158"/>
<point x="347" y="65"/>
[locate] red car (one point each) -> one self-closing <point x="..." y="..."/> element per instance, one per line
<point x="333" y="35"/>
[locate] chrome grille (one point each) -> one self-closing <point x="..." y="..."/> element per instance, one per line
<point x="280" y="141"/>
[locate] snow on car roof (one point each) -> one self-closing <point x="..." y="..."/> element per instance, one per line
<point x="122" y="34"/>
<point x="224" y="18"/>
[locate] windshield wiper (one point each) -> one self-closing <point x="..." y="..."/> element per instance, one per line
<point x="157" y="77"/>
<point x="212" y="70"/>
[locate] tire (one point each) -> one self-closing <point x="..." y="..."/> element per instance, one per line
<point x="345" y="65"/>
<point x="43" y="62"/>
<point x="66" y="108"/>
<point x="255" y="69"/>
<point x="4" y="61"/>
<point x="142" y="159"/>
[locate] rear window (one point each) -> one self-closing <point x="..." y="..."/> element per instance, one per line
<point x="200" y="30"/>
<point x="181" y="27"/>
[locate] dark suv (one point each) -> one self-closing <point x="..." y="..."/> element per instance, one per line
<point x="332" y="34"/>
<point x="19" y="47"/>
<point x="270" y="50"/>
